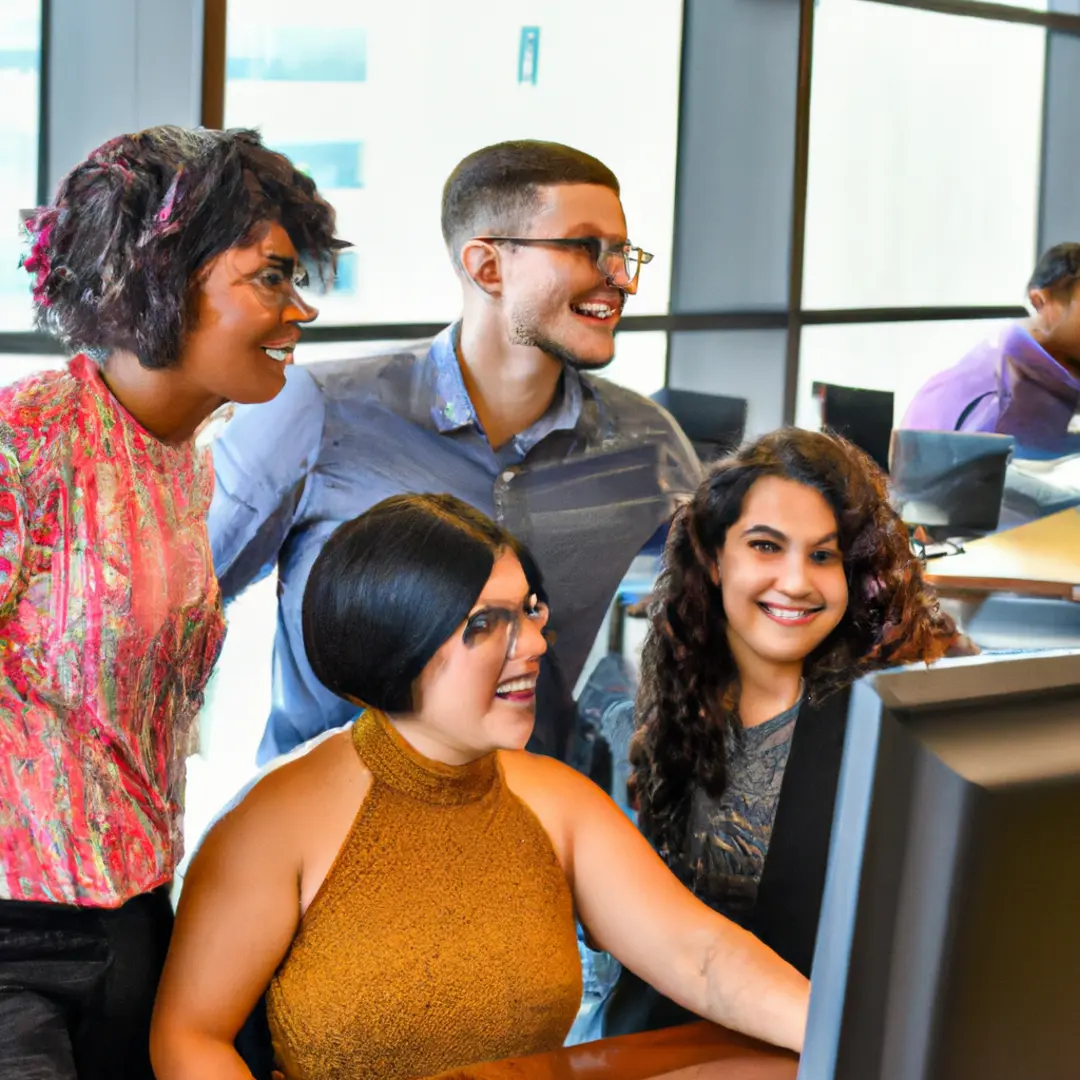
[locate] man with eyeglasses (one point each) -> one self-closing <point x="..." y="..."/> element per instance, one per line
<point x="500" y="409"/>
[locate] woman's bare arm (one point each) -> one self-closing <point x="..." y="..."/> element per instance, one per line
<point x="636" y="909"/>
<point x="237" y="916"/>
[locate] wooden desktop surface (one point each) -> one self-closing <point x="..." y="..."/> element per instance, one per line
<point x="1041" y="558"/>
<point x="694" y="1052"/>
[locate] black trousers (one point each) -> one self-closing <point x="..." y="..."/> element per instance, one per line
<point x="77" y="988"/>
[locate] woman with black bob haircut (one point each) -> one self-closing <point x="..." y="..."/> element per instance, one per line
<point x="407" y="888"/>
<point x="787" y="577"/>
<point x="440" y="556"/>
<point x="169" y="262"/>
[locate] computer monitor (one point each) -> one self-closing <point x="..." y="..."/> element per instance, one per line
<point x="949" y="941"/>
<point x="713" y="423"/>
<point x="950" y="482"/>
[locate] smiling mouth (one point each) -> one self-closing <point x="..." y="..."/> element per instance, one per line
<point x="522" y="689"/>
<point x="600" y="310"/>
<point x="283" y="355"/>
<point x="790" y="615"/>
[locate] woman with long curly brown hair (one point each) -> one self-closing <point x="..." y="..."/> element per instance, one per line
<point x="786" y="578"/>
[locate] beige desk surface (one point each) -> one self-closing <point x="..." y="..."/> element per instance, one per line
<point x="1041" y="558"/>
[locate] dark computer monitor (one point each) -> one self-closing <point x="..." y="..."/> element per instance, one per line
<point x="949" y="941"/>
<point x="713" y="423"/>
<point x="950" y="482"/>
<point x="864" y="417"/>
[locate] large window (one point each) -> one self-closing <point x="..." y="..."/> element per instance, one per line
<point x="20" y="92"/>
<point x="379" y="102"/>
<point x="925" y="135"/>
<point x="927" y="188"/>
<point x="898" y="357"/>
<point x="915" y="175"/>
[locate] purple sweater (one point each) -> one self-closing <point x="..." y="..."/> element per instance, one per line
<point x="1008" y="384"/>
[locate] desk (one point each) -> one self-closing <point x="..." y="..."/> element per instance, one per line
<point x="1018" y="588"/>
<point x="694" y="1052"/>
<point x="1041" y="558"/>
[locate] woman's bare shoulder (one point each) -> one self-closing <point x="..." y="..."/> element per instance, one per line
<point x="556" y="793"/>
<point x="291" y="795"/>
<point x="529" y="771"/>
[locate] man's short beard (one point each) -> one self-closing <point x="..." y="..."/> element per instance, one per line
<point x="522" y="334"/>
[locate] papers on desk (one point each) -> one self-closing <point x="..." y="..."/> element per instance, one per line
<point x="1062" y="473"/>
<point x="1037" y="488"/>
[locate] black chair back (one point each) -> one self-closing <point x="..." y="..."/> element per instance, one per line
<point x="713" y="423"/>
<point x="864" y="417"/>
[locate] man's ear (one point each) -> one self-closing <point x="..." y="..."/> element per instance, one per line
<point x="482" y="265"/>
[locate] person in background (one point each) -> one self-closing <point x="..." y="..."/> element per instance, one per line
<point x="501" y="409"/>
<point x="168" y="262"/>
<point x="1024" y="381"/>
<point x="407" y="888"/>
<point x="787" y="577"/>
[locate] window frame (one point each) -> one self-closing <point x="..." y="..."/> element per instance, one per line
<point x="792" y="318"/>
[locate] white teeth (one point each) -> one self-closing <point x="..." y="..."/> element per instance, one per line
<point x="780" y="613"/>
<point x="278" y="354"/>
<point x="598" y="311"/>
<point x="516" y="685"/>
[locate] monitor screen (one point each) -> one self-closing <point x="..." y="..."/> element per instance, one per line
<point x="949" y="481"/>
<point x="949" y="940"/>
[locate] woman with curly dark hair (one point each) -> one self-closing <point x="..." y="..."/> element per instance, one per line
<point x="786" y="578"/>
<point x="168" y="262"/>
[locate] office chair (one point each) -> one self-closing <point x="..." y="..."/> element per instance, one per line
<point x="864" y="417"/>
<point x="713" y="423"/>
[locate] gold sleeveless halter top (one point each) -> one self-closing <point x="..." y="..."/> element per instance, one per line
<point x="443" y="934"/>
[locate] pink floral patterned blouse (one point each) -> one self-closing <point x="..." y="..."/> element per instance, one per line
<point x="110" y="622"/>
